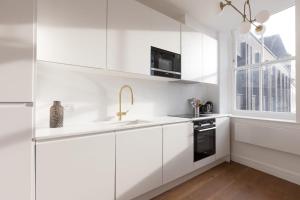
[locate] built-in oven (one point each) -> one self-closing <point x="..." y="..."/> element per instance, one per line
<point x="165" y="63"/>
<point x="204" y="138"/>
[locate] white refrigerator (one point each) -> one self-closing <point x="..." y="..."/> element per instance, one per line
<point x="16" y="99"/>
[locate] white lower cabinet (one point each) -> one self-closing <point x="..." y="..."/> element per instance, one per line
<point x="121" y="165"/>
<point x="222" y="137"/>
<point x="205" y="161"/>
<point x="138" y="162"/>
<point x="76" y="168"/>
<point x="177" y="151"/>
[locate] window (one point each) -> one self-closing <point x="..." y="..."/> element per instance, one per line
<point x="265" y="67"/>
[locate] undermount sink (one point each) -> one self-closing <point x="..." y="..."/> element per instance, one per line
<point x="129" y="122"/>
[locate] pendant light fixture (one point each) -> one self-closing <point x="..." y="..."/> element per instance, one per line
<point x="245" y="26"/>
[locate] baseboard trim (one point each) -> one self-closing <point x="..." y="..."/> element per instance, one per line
<point x="282" y="173"/>
<point x="181" y="180"/>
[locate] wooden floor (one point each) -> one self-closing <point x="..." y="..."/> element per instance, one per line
<point x="233" y="182"/>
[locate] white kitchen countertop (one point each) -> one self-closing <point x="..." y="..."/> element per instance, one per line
<point x="42" y="134"/>
<point x="101" y="127"/>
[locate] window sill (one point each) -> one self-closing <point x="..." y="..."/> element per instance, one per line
<point x="265" y="119"/>
<point x="282" y="116"/>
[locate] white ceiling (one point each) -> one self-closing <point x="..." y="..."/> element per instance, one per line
<point x="205" y="11"/>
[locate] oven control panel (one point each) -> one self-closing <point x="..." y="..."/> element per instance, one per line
<point x="205" y="124"/>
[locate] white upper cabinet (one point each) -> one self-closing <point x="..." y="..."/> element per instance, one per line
<point x="16" y="50"/>
<point x="132" y="29"/>
<point x="199" y="56"/>
<point x="138" y="162"/>
<point x="222" y="137"/>
<point x="210" y="60"/>
<point x="191" y="54"/>
<point x="178" y="151"/>
<point x="72" y="32"/>
<point x="76" y="168"/>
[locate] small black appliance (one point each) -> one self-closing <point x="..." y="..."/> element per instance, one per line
<point x="165" y="63"/>
<point x="207" y="107"/>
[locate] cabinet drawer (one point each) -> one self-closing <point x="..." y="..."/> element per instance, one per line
<point x="76" y="169"/>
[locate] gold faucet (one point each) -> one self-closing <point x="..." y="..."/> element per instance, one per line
<point x="120" y="113"/>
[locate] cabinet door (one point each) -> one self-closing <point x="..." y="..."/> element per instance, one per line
<point x="16" y="152"/>
<point x="132" y="29"/>
<point x="16" y="50"/>
<point x="76" y="169"/>
<point x="72" y="32"/>
<point x="192" y="52"/>
<point x="222" y="137"/>
<point x="210" y="60"/>
<point x="177" y="151"/>
<point x="138" y="162"/>
<point x="199" y="56"/>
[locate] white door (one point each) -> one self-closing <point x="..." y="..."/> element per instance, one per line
<point x="72" y="32"/>
<point x="132" y="29"/>
<point x="138" y="162"/>
<point x="210" y="60"/>
<point x="222" y="137"/>
<point x="16" y="50"/>
<point x="191" y="52"/>
<point x="76" y="168"/>
<point x="178" y="151"/>
<point x="16" y="152"/>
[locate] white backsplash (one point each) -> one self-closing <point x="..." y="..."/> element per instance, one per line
<point x="88" y="95"/>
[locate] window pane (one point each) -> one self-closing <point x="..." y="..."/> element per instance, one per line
<point x="278" y="87"/>
<point x="279" y="38"/>
<point x="247" y="89"/>
<point x="249" y="49"/>
<point x="241" y="90"/>
<point x="241" y="51"/>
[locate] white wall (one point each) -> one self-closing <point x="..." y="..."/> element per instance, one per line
<point x="89" y="95"/>
<point x="192" y="22"/>
<point x="225" y="72"/>
<point x="298" y="60"/>
<point x="263" y="154"/>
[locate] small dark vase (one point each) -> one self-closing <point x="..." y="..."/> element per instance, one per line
<point x="56" y="115"/>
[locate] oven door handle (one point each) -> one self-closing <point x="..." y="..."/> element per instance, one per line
<point x="208" y="129"/>
<point x="165" y="71"/>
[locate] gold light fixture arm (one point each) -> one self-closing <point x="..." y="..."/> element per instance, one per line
<point x="247" y="4"/>
<point x="229" y="3"/>
<point x="243" y="14"/>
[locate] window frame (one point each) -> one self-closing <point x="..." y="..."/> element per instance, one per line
<point x="260" y="66"/>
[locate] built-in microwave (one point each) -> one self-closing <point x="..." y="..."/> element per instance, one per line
<point x="165" y="63"/>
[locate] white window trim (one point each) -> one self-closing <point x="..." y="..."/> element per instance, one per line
<point x="252" y="113"/>
<point x="264" y="114"/>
